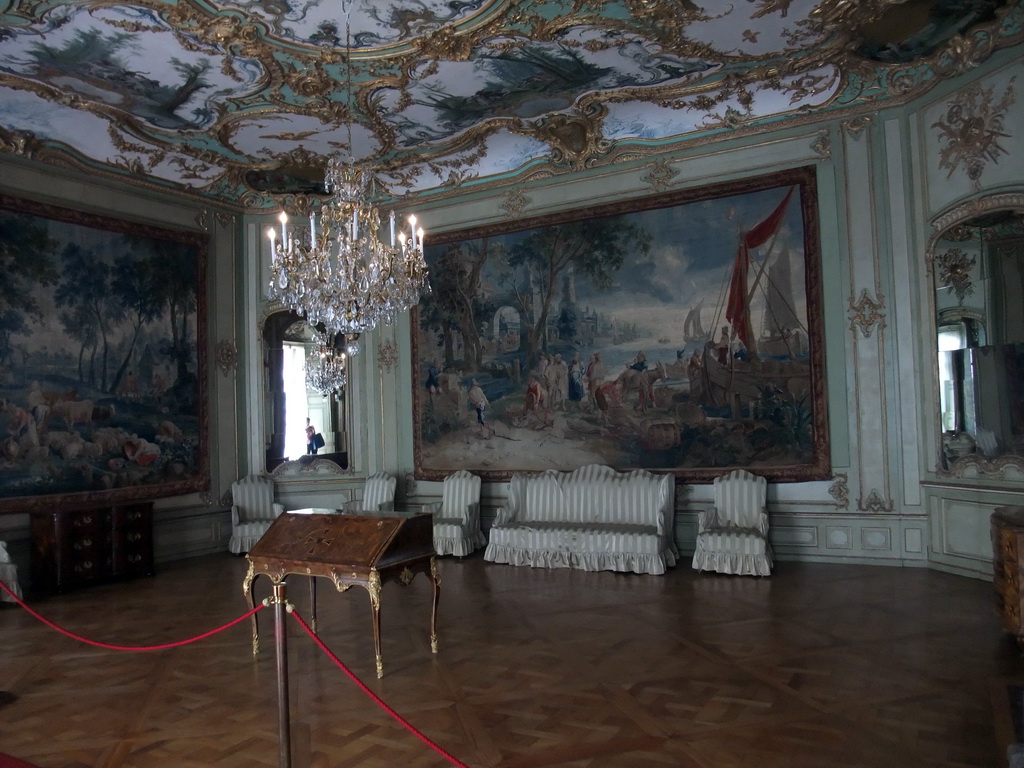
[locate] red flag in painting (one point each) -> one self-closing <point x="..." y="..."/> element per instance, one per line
<point x="767" y="228"/>
<point x="736" y="310"/>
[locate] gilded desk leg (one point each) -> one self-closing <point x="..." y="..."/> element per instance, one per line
<point x="250" y="577"/>
<point x="435" y="579"/>
<point x="374" y="589"/>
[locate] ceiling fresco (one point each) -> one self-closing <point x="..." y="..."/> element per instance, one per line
<point x="243" y="102"/>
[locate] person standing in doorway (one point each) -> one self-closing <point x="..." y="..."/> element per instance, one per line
<point x="310" y="433"/>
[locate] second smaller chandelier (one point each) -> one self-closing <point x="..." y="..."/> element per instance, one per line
<point x="325" y="367"/>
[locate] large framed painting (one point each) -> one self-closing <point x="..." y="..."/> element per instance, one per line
<point x="102" y="359"/>
<point x="679" y="333"/>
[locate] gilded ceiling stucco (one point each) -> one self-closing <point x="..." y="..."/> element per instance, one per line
<point x="243" y="103"/>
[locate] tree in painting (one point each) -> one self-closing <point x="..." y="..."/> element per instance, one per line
<point x="26" y="260"/>
<point x="593" y="249"/>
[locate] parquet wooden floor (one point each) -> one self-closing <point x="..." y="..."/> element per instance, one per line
<point x="819" y="665"/>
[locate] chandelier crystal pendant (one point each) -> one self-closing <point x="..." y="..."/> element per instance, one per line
<point x="345" y="278"/>
<point x="325" y="368"/>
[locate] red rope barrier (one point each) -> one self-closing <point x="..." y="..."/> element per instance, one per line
<point x="110" y="647"/>
<point x="377" y="699"/>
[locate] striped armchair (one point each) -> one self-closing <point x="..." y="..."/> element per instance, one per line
<point x="732" y="536"/>
<point x="378" y="494"/>
<point x="457" y="515"/>
<point x="253" y="509"/>
<point x="8" y="575"/>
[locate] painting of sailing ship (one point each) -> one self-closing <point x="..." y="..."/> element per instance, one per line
<point x="678" y="334"/>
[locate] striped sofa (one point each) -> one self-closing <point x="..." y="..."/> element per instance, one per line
<point x="593" y="518"/>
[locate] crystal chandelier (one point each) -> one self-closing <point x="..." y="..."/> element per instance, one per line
<point x="325" y="367"/>
<point x="345" y="277"/>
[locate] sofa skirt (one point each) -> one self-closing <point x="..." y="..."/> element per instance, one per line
<point x="623" y="548"/>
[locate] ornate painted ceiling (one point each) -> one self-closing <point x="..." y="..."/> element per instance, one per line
<point x="243" y="101"/>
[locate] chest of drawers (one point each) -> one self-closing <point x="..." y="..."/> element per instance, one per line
<point x="79" y="546"/>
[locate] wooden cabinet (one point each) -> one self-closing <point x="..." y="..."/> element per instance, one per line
<point x="1007" y="567"/>
<point x="79" y="546"/>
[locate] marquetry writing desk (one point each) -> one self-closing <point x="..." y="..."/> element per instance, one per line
<point x="364" y="548"/>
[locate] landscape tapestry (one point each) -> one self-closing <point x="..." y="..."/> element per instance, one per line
<point x="102" y="364"/>
<point x="680" y="333"/>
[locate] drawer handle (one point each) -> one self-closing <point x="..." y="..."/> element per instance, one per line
<point x="134" y="537"/>
<point x="83" y="544"/>
<point x="84" y="520"/>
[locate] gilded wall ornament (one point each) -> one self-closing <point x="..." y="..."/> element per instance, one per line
<point x="865" y="314"/>
<point x="659" y="175"/>
<point x="840" y="490"/>
<point x="515" y="203"/>
<point x="955" y="272"/>
<point x="856" y="126"/>
<point x="971" y="130"/>
<point x="823" y="145"/>
<point x="226" y="356"/>
<point x="20" y="143"/>
<point x="387" y="356"/>
<point x="875" y="502"/>
<point x="575" y="139"/>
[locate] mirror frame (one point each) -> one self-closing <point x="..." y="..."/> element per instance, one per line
<point x="306" y="465"/>
<point x="1006" y="467"/>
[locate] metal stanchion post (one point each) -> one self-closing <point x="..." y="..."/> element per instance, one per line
<point x="281" y="648"/>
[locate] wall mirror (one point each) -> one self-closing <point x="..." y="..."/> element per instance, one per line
<point x="292" y="402"/>
<point x="978" y="273"/>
